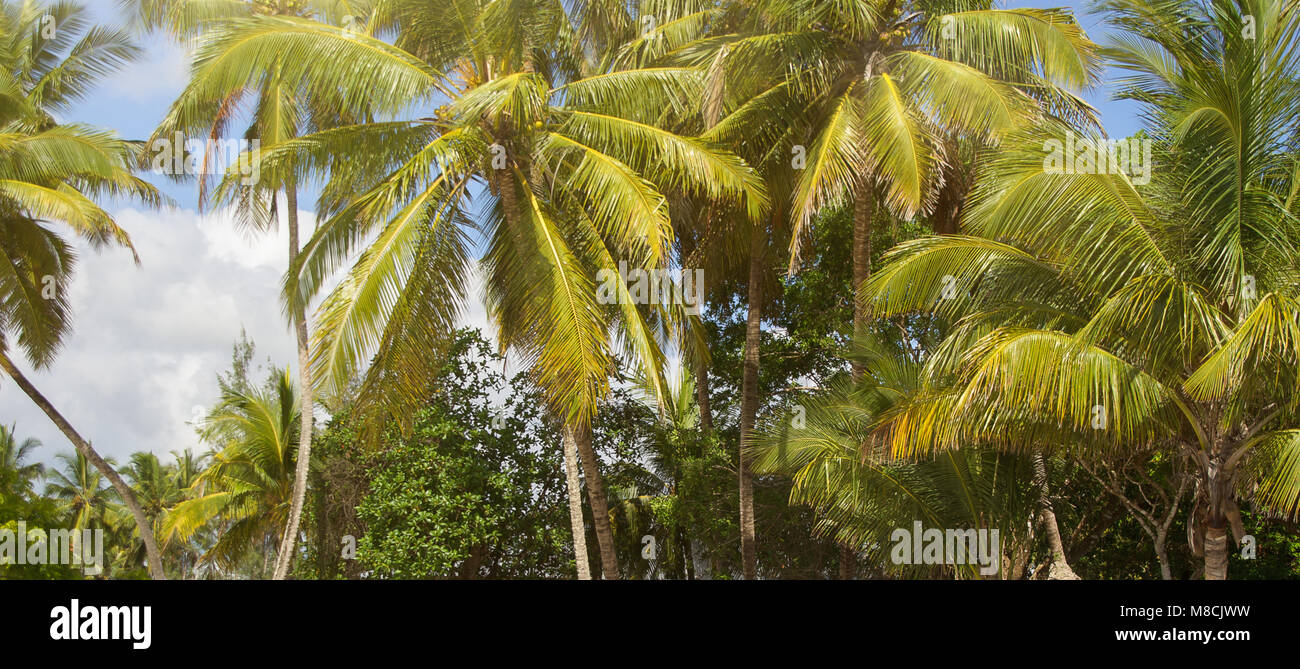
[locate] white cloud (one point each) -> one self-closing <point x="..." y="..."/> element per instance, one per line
<point x="149" y="340"/>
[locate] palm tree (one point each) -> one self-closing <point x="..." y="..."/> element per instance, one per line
<point x="51" y="173"/>
<point x="159" y="488"/>
<point x="17" y="476"/>
<point x="280" y="112"/>
<point x="187" y="469"/>
<point x="248" y="486"/>
<point x="858" y="102"/>
<point x="576" y="168"/>
<point x="154" y="483"/>
<point x="1094" y="310"/>
<point x="81" y="491"/>
<point x="184" y="477"/>
<point x="842" y="469"/>
<point x="674" y="438"/>
<point x="873" y="91"/>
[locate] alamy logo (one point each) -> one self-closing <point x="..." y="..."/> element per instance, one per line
<point x="102" y="623"/>
<point x="35" y="546"/>
<point x="177" y="156"/>
<point x="653" y="286"/>
<point x="934" y="546"/>
<point x="1096" y="155"/>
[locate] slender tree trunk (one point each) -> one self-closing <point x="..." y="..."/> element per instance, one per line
<point x="1060" y="569"/>
<point x="599" y="505"/>
<point x="749" y="401"/>
<point x="702" y="396"/>
<point x="128" y="496"/>
<point x="688" y="556"/>
<point x="289" y="544"/>
<point x="699" y="367"/>
<point x="575" y="506"/>
<point x="952" y="196"/>
<point x="1162" y="531"/>
<point x="1162" y="554"/>
<point x="864" y="211"/>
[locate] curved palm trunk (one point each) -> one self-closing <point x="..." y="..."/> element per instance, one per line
<point x="575" y="506"/>
<point x="1060" y="569"/>
<point x="749" y="402"/>
<point x="128" y="496"/>
<point x="599" y="505"/>
<point x="289" y="544"/>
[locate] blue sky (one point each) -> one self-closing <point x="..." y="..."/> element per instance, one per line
<point x="149" y="340"/>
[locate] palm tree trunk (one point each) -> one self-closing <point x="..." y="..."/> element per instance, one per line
<point x="699" y="367"/>
<point x="864" y="211"/>
<point x="1217" y="519"/>
<point x="128" y="496"/>
<point x="1216" y="551"/>
<point x="749" y="401"/>
<point x="289" y="544"/>
<point x="599" y="506"/>
<point x="1060" y="569"/>
<point x="575" y="506"/>
<point x="847" y="563"/>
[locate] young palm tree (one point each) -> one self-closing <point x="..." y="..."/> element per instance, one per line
<point x="570" y="152"/>
<point x="841" y="468"/>
<point x="81" y="491"/>
<point x="159" y="488"/>
<point x="1098" y="311"/>
<point x="675" y="437"/>
<point x="17" y="476"/>
<point x="248" y="486"/>
<point x="154" y="483"/>
<point x="50" y="173"/>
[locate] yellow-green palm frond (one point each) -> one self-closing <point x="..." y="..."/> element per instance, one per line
<point x="543" y="298"/>
<point x="1279" y="490"/>
<point x="896" y="144"/>
<point x="1006" y="42"/>
<point x="959" y="96"/>
<point x="1016" y="379"/>
<point x="677" y="163"/>
<point x="1263" y="351"/>
<point x="951" y="275"/>
<point x="1166" y="324"/>
<point x="398" y="303"/>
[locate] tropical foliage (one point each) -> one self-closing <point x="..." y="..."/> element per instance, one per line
<point x="768" y="285"/>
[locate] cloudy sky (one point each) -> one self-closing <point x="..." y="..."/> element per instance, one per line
<point x="149" y="340"/>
